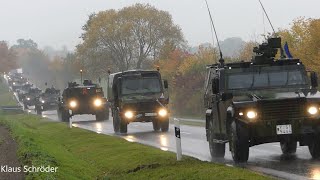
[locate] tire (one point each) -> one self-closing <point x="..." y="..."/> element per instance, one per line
<point x="165" y="125"/>
<point x="314" y="148"/>
<point x="38" y="110"/>
<point x="123" y="127"/>
<point x="116" y="121"/>
<point x="25" y="106"/>
<point x="217" y="150"/>
<point x="156" y="125"/>
<point x="239" y="143"/>
<point x="63" y="115"/>
<point x="288" y="147"/>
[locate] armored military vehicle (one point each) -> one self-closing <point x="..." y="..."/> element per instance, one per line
<point x="138" y="96"/>
<point x="30" y="98"/>
<point x="87" y="98"/>
<point x="48" y="100"/>
<point x="262" y="101"/>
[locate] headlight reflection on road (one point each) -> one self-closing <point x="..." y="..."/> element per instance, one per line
<point x="163" y="140"/>
<point x="130" y="138"/>
<point x="315" y="174"/>
<point x="163" y="143"/>
<point x="99" y="128"/>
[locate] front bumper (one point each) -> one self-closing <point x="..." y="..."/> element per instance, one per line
<point x="144" y="116"/>
<point x="49" y="106"/>
<point x="266" y="131"/>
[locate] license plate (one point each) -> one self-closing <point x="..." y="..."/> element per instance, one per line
<point x="150" y="114"/>
<point x="284" y="129"/>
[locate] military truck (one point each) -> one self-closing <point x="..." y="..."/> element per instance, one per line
<point x="138" y="96"/>
<point x="30" y="98"/>
<point x="265" y="100"/>
<point x="48" y="100"/>
<point x="87" y="98"/>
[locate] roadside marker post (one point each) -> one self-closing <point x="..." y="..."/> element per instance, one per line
<point x="70" y="123"/>
<point x="178" y="138"/>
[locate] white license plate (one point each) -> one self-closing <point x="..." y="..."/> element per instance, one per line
<point x="150" y="114"/>
<point x="284" y="129"/>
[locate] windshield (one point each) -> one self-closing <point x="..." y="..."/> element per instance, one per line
<point x="140" y="86"/>
<point x="266" y="79"/>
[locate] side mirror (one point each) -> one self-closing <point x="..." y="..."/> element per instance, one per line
<point x="314" y="79"/>
<point x="215" y="86"/>
<point x="165" y="83"/>
<point x="226" y="96"/>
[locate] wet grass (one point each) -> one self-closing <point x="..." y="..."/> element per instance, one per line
<point x="81" y="154"/>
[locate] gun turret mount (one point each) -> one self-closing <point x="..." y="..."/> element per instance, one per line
<point x="266" y="52"/>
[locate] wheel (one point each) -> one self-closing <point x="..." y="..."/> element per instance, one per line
<point x="217" y="150"/>
<point x="156" y="125"/>
<point x="165" y="125"/>
<point x="314" y="147"/>
<point x="239" y="143"/>
<point x="116" y="120"/>
<point x="123" y="127"/>
<point x="25" y="106"/>
<point x="38" y="110"/>
<point x="288" y="146"/>
<point x="63" y="115"/>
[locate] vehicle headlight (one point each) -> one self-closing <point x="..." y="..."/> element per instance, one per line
<point x="73" y="104"/>
<point x="163" y="112"/>
<point x="28" y="98"/>
<point x="14" y="83"/>
<point x="313" y="110"/>
<point x="97" y="102"/>
<point x="251" y="114"/>
<point x="42" y="101"/>
<point x="128" y="114"/>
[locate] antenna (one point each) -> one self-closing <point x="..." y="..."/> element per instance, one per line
<point x="221" y="60"/>
<point x="265" y="12"/>
<point x="274" y="32"/>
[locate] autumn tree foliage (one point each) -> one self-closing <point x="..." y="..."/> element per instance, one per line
<point x="8" y="58"/>
<point x="130" y="38"/>
<point x="303" y="38"/>
<point x="186" y="74"/>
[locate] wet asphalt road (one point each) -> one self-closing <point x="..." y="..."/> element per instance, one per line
<point x="266" y="158"/>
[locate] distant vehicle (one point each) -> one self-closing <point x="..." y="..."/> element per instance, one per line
<point x="138" y="96"/>
<point x="47" y="100"/>
<point x="25" y="88"/>
<point x="262" y="101"/>
<point x="30" y="98"/>
<point x="83" y="99"/>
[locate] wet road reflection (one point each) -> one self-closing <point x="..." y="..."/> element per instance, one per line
<point x="266" y="158"/>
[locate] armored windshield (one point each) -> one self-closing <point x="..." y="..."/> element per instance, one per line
<point x="266" y="79"/>
<point x="140" y="85"/>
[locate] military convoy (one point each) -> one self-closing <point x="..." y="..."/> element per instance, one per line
<point x="138" y="96"/>
<point x="265" y="100"/>
<point x="262" y="101"/>
<point x="47" y="100"/>
<point x="87" y="98"/>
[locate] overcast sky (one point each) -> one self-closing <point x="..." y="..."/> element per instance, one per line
<point x="58" y="22"/>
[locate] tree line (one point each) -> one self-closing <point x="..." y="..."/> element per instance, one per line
<point x="143" y="37"/>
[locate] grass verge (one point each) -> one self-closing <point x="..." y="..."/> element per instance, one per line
<point x="80" y="154"/>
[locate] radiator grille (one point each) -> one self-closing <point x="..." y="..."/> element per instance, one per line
<point x="287" y="109"/>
